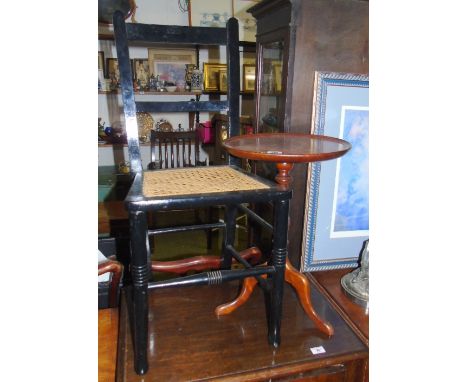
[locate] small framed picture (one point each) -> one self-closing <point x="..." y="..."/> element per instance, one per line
<point x="223" y="80"/>
<point x="112" y="69"/>
<point x="141" y="72"/>
<point x="248" y="84"/>
<point x="211" y="77"/>
<point x="101" y="60"/>
<point x="278" y="68"/>
<point x="210" y="13"/>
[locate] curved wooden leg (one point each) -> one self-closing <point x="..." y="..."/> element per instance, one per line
<point x="300" y="283"/>
<point x="248" y="286"/>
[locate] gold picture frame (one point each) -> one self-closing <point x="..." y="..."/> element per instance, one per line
<point x="140" y="70"/>
<point x="112" y="69"/>
<point x="211" y="76"/>
<point x="248" y="78"/>
<point x="277" y="68"/>
<point x="223" y="80"/>
<point x="170" y="63"/>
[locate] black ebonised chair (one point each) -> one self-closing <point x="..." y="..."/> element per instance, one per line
<point x="194" y="187"/>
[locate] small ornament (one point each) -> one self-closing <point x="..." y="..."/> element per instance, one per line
<point x="153" y="83"/>
<point x="188" y="75"/>
<point x="101" y="129"/>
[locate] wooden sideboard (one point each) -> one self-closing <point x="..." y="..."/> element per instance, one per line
<point x="329" y="283"/>
<point x="188" y="342"/>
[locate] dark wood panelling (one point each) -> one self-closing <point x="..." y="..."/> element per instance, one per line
<point x="330" y="36"/>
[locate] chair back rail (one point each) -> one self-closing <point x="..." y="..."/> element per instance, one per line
<point x="195" y="36"/>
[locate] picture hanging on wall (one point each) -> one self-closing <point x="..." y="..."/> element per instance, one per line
<point x="247" y="23"/>
<point x="336" y="220"/>
<point x="210" y="13"/>
<point x="215" y="13"/>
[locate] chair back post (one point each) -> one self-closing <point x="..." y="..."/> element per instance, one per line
<point x="233" y="91"/>
<point x="128" y="97"/>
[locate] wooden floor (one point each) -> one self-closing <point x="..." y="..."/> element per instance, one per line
<point x="187" y="342"/>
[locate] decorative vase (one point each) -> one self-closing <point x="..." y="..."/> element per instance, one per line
<point x="188" y="74"/>
<point x="196" y="81"/>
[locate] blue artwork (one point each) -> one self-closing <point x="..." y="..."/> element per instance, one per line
<point x="336" y="221"/>
<point x="350" y="216"/>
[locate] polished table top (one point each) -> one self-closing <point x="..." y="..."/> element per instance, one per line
<point x="286" y="147"/>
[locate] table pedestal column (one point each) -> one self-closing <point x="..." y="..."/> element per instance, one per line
<point x="292" y="276"/>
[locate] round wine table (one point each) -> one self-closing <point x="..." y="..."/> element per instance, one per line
<point x="285" y="149"/>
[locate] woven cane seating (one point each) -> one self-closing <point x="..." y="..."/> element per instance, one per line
<point x="201" y="180"/>
<point x="194" y="187"/>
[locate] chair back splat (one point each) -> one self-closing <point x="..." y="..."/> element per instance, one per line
<point x="175" y="149"/>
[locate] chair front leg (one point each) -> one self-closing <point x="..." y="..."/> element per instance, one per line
<point x="140" y="273"/>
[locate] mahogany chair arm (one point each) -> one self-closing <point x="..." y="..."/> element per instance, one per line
<point x="116" y="269"/>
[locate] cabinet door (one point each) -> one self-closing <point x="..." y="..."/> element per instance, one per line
<point x="270" y="93"/>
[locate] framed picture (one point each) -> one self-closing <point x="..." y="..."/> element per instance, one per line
<point x="209" y="13"/>
<point x="112" y="69"/>
<point x="223" y="79"/>
<point x="336" y="220"/>
<point x="140" y="68"/>
<point x="170" y="63"/>
<point x="211" y="76"/>
<point x="248" y="78"/>
<point x="277" y="70"/>
<point x="247" y="23"/>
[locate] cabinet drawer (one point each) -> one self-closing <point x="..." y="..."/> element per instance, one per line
<point x="335" y="373"/>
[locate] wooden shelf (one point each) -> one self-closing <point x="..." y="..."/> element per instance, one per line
<point x="250" y="45"/>
<point x="175" y="93"/>
<point x="120" y="144"/>
<point x="151" y="93"/>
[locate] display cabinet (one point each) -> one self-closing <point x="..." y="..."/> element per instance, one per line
<point x="294" y="39"/>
